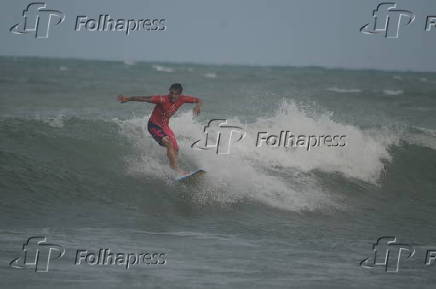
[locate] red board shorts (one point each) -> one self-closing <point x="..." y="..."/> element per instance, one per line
<point x="158" y="133"/>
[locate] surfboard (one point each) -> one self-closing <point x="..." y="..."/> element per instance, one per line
<point x="191" y="176"/>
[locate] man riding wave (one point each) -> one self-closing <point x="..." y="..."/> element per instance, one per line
<point x="158" y="124"/>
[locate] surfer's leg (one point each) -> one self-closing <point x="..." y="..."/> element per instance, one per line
<point x="165" y="137"/>
<point x="172" y="152"/>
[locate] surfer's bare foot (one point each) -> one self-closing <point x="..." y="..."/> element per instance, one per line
<point x="182" y="172"/>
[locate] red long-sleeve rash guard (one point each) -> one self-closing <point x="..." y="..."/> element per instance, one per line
<point x="164" y="108"/>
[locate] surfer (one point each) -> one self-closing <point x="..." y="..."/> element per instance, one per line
<point x="158" y="124"/>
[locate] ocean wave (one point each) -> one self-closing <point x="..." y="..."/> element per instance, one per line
<point x="421" y="136"/>
<point x="344" y="90"/>
<point x="162" y="68"/>
<point x="74" y="152"/>
<point x="277" y="177"/>
<point x="129" y="62"/>
<point x="210" y="75"/>
<point x="53" y="121"/>
<point x="393" y="91"/>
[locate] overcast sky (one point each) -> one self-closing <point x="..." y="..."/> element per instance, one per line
<point x="255" y="32"/>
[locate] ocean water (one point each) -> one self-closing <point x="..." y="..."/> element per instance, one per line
<point x="80" y="169"/>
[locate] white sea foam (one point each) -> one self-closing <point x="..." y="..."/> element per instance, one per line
<point x="279" y="177"/>
<point x="129" y="62"/>
<point x="344" y="90"/>
<point x="210" y="75"/>
<point x="162" y="68"/>
<point x="393" y="91"/>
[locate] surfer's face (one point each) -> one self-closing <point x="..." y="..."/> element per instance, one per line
<point x="174" y="94"/>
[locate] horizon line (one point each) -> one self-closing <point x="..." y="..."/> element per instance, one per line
<point x="220" y="64"/>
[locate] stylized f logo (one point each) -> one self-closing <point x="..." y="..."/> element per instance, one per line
<point x="387" y="253"/>
<point x="38" y="19"/>
<point x="37" y="254"/>
<point x="388" y="20"/>
<point x="224" y="136"/>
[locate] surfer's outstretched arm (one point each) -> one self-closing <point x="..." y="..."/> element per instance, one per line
<point x="191" y="99"/>
<point x="122" y="98"/>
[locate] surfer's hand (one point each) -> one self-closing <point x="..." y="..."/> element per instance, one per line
<point x="196" y="110"/>
<point x="123" y="99"/>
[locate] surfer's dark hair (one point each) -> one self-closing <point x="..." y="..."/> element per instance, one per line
<point x="176" y="86"/>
